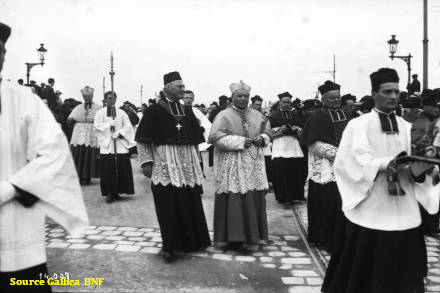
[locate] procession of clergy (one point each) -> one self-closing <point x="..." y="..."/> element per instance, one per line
<point x="375" y="238"/>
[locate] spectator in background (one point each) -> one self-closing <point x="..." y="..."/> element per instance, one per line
<point x="143" y="108"/>
<point x="49" y="95"/>
<point x="414" y="86"/>
<point x="63" y="111"/>
<point x="257" y="102"/>
<point x="202" y="108"/>
<point x="367" y="104"/>
<point x="20" y="81"/>
<point x="58" y="94"/>
<point x="348" y="106"/>
<point x="211" y="108"/>
<point x="151" y="102"/>
<point x="36" y="87"/>
<point x="130" y="110"/>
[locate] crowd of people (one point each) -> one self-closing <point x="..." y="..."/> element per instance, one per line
<point x="341" y="149"/>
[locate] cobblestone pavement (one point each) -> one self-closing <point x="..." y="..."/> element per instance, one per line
<point x="279" y="252"/>
<point x="432" y="281"/>
<point x="123" y="241"/>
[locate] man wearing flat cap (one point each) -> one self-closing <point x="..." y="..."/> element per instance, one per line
<point x="287" y="155"/>
<point x="322" y="134"/>
<point x="380" y="247"/>
<point x="168" y="136"/>
<point x="37" y="179"/>
<point x="239" y="134"/>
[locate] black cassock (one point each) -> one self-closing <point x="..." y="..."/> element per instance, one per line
<point x="179" y="209"/>
<point x="324" y="204"/>
<point x="288" y="174"/>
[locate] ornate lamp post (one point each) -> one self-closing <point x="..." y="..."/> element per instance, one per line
<point x="393" y="48"/>
<point x="41" y="54"/>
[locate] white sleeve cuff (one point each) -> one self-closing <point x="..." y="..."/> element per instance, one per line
<point x="7" y="191"/>
<point x="384" y="163"/>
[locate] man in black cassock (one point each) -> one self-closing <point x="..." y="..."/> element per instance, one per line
<point x="168" y="136"/>
<point x="287" y="156"/>
<point x="322" y="134"/>
<point x="114" y="133"/>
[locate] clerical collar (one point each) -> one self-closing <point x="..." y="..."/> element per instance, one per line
<point x="388" y="122"/>
<point x="337" y="115"/>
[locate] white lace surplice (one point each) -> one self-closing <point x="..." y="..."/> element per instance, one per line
<point x="83" y="131"/>
<point x="321" y="160"/>
<point x="238" y="170"/>
<point x="84" y="134"/>
<point x="178" y="165"/>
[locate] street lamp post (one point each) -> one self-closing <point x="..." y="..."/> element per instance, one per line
<point x="41" y="54"/>
<point x="393" y="48"/>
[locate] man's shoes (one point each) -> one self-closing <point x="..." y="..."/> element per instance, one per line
<point x="251" y="247"/>
<point x="112" y="197"/>
<point x="109" y="199"/>
<point x="233" y="246"/>
<point x="168" y="256"/>
<point x="84" y="181"/>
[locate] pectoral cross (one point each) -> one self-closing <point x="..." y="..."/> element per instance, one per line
<point x="178" y="126"/>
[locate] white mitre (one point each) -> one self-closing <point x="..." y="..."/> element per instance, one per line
<point x="240" y="86"/>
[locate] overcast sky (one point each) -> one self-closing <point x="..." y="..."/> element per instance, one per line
<point x="274" y="46"/>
